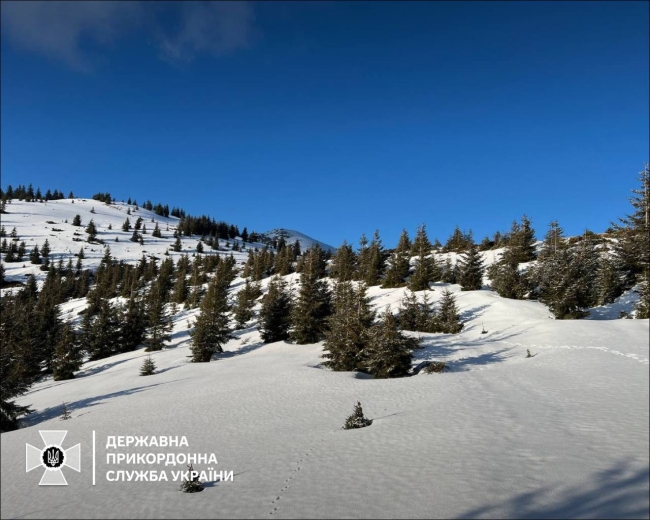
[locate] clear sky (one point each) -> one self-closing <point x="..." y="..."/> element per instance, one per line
<point x="334" y="118"/>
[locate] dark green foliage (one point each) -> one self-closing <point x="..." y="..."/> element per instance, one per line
<point x="91" y="230"/>
<point x="275" y="314"/>
<point x="126" y="226"/>
<point x="458" y="241"/>
<point x="633" y="247"/>
<point x="609" y="281"/>
<point x="156" y="231"/>
<point x="425" y="268"/>
<point x="448" y="317"/>
<point x="76" y="221"/>
<point x="565" y="277"/>
<point x="435" y="367"/>
<point x="177" y="245"/>
<point x="522" y="241"/>
<point x="344" y="263"/>
<point x="68" y="355"/>
<point x="471" y="269"/>
<point x="133" y="325"/>
<point x="313" y="304"/>
<point x="399" y="263"/>
<point x="192" y="484"/>
<point x="159" y="323"/>
<point x="349" y="325"/>
<point x="357" y="419"/>
<point x="101" y="334"/>
<point x="244" y="303"/>
<point x="416" y="315"/>
<point x="505" y="277"/>
<point x="35" y="256"/>
<point x="45" y="250"/>
<point x="148" y="366"/>
<point x="389" y="351"/>
<point x="211" y="329"/>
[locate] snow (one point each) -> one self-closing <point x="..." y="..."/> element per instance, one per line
<point x="291" y="236"/>
<point x="562" y="434"/>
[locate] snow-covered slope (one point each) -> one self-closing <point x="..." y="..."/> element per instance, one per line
<point x="291" y="236"/>
<point x="562" y="434"/>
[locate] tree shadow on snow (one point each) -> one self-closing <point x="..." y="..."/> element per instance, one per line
<point x="618" y="492"/>
<point x="473" y="313"/>
<point x="97" y="369"/>
<point x="444" y="346"/>
<point x="55" y="411"/>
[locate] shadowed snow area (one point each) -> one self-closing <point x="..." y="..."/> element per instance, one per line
<point x="562" y="434"/>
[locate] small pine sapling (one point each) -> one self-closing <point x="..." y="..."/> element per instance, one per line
<point x="148" y="367"/>
<point x="192" y="484"/>
<point x="357" y="419"/>
<point x="65" y="413"/>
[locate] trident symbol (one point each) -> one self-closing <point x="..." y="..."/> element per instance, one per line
<point x="52" y="457"/>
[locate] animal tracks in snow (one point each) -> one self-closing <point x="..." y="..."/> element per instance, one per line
<point x="288" y="481"/>
<point x="635" y="357"/>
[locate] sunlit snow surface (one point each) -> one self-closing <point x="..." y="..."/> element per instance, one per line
<point x="561" y="434"/>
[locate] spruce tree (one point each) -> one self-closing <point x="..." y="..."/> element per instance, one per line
<point x="389" y="353"/>
<point x="45" y="250"/>
<point x="357" y="419"/>
<point x="35" y="256"/>
<point x="471" y="269"/>
<point x="76" y="221"/>
<point x="244" y="303"/>
<point x="425" y="268"/>
<point x="448" y="317"/>
<point x="133" y="325"/>
<point x="148" y="366"/>
<point x="344" y="263"/>
<point x="399" y="263"/>
<point x="159" y="323"/>
<point x="349" y="325"/>
<point x="505" y="277"/>
<point x="275" y="314"/>
<point x="313" y="305"/>
<point x="68" y="356"/>
<point x="211" y="330"/>
<point x="91" y="230"/>
<point x="126" y="226"/>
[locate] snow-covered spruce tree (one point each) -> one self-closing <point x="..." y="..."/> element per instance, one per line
<point x="633" y="248"/>
<point x="399" y="263"/>
<point x="522" y="241"/>
<point x="275" y="314"/>
<point x="389" y="351"/>
<point x="448" y="317"/>
<point x="192" y="484"/>
<point x="344" y="263"/>
<point x="211" y="330"/>
<point x="357" y="419"/>
<point x="313" y="305"/>
<point x="471" y="269"/>
<point x="565" y="277"/>
<point x="505" y="277"/>
<point x="371" y="262"/>
<point x="425" y="268"/>
<point x="349" y="326"/>
<point x="244" y="303"/>
<point x="609" y="282"/>
<point x="148" y="366"/>
<point x="416" y="315"/>
<point x="159" y="323"/>
<point x="68" y="355"/>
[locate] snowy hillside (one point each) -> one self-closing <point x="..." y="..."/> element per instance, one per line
<point x="292" y="236"/>
<point x="564" y="433"/>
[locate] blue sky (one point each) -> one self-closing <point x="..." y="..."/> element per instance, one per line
<point x="334" y="118"/>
